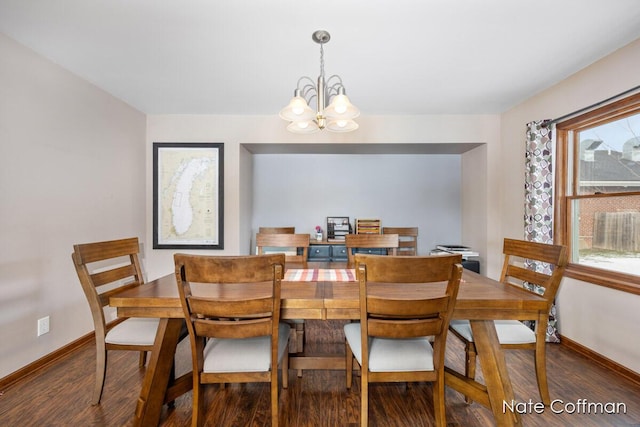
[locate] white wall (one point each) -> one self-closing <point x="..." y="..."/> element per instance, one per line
<point x="246" y="199"/>
<point x="480" y="187"/>
<point x="72" y="171"/>
<point x="418" y="190"/>
<point x="596" y="317"/>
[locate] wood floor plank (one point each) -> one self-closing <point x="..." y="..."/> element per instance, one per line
<point x="59" y="394"/>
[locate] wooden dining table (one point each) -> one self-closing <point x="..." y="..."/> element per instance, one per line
<point x="480" y="299"/>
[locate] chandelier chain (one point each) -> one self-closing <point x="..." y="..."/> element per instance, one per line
<point x="321" y="60"/>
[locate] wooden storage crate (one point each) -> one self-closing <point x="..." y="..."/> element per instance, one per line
<point x="368" y="226"/>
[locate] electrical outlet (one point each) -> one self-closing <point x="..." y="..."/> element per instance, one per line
<point x="43" y="326"/>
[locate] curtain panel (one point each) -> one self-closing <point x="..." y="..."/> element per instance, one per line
<point x="538" y="208"/>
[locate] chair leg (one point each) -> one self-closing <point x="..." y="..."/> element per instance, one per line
<point x="293" y="345"/>
<point x="299" y="342"/>
<point x="197" y="412"/>
<point x="348" y="364"/>
<point x="172" y="376"/>
<point x="541" y="374"/>
<point x="364" y="399"/>
<point x="540" y="359"/>
<point x="143" y="359"/>
<point x="296" y="337"/>
<point x="274" y="398"/>
<point x="300" y="337"/>
<point x="470" y="365"/>
<point x="285" y="370"/>
<point x="101" y="371"/>
<point x="438" y="402"/>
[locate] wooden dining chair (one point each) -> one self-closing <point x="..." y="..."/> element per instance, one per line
<point x="296" y="249"/>
<point x="407" y="239"/>
<point x="392" y="341"/>
<point x="105" y="268"/>
<point x="236" y="337"/>
<point x="513" y="334"/>
<point x="275" y="230"/>
<point x="294" y="246"/>
<point x="364" y="242"/>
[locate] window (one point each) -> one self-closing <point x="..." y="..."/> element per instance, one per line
<point x="598" y="190"/>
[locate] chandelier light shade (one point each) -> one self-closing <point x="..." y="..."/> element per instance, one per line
<point x="337" y="116"/>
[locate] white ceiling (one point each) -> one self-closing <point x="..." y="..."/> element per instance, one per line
<point x="394" y="56"/>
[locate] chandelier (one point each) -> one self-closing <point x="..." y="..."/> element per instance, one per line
<point x="337" y="116"/>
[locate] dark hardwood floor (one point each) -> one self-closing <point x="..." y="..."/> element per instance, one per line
<point x="59" y="394"/>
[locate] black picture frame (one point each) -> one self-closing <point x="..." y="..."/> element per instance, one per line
<point x="188" y="195"/>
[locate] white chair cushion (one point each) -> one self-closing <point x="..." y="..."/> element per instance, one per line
<point x="287" y="250"/>
<point x="391" y="355"/>
<point x="243" y="355"/>
<point x="134" y="331"/>
<point x="509" y="331"/>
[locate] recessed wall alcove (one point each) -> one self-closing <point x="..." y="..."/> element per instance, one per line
<point x="401" y="184"/>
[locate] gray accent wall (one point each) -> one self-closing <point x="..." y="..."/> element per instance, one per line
<point x="422" y="190"/>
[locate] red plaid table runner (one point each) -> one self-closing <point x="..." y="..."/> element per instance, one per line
<point x="320" y="274"/>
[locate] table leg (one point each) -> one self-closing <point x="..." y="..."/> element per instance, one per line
<point x="494" y="371"/>
<point x="156" y="377"/>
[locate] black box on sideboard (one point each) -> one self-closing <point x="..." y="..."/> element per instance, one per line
<point x="338" y="227"/>
<point x="473" y="265"/>
<point x="468" y="255"/>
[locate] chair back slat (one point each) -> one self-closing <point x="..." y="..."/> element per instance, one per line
<point x="525" y="275"/>
<point x="233" y="328"/>
<point x="282" y="240"/>
<point x="260" y="307"/>
<point x="372" y="241"/>
<point x="404" y="328"/>
<point x="417" y="308"/>
<point x="407" y="269"/>
<point x="552" y="254"/>
<point x="386" y="241"/>
<point x="241" y="269"/>
<point x="277" y="230"/>
<point x="405" y="244"/>
<point x="117" y="273"/>
<point x="99" y="251"/>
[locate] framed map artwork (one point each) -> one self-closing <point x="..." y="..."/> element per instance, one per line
<point x="188" y="202"/>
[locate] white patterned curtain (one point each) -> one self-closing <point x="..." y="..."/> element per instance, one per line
<point x="538" y="208"/>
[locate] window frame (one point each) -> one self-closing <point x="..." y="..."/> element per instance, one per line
<point x="565" y="165"/>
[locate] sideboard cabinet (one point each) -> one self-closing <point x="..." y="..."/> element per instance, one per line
<point x="327" y="251"/>
<point x="324" y="251"/>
